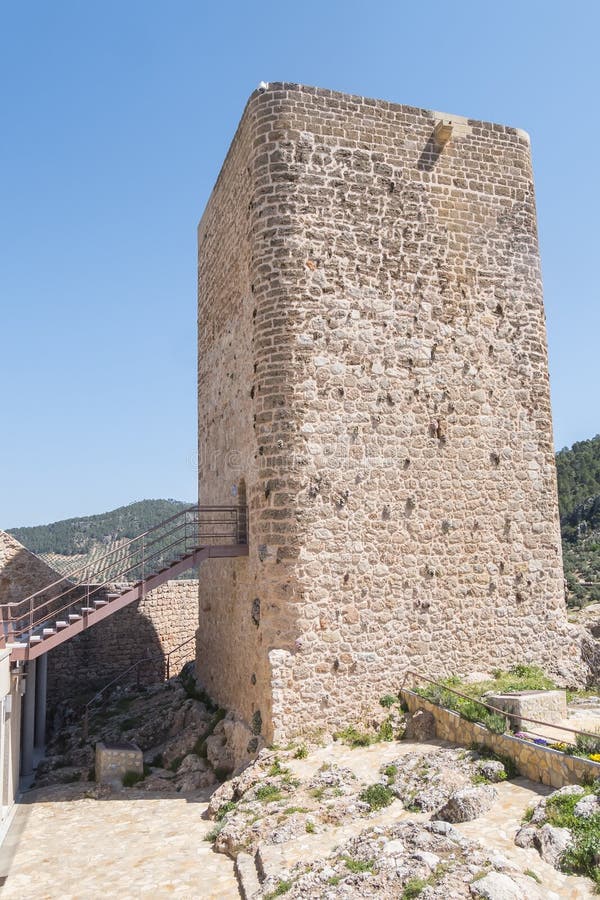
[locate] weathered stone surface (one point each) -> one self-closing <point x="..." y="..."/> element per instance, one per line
<point x="525" y="837"/>
<point x="468" y="803"/>
<point x="420" y="726"/>
<point x="588" y="806"/>
<point x="498" y="886"/>
<point x="552" y="843"/>
<point x="383" y="358"/>
<point x="492" y="769"/>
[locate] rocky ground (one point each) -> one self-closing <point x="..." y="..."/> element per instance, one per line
<point x="189" y="744"/>
<point x="387" y="820"/>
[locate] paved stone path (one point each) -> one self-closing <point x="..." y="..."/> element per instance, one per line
<point x="61" y="845"/>
<point x="135" y="845"/>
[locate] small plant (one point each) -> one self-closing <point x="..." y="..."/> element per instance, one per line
<point x="377" y="796"/>
<point x="390" y="773"/>
<point x="301" y="753"/>
<point x="413" y="887"/>
<point x="282" y="888"/>
<point x="213" y="834"/>
<point x="386" y="731"/>
<point x="479" y="779"/>
<point x="387" y="701"/>
<point x="353" y="737"/>
<point x="278" y="769"/>
<point x="224" y="809"/>
<point x="533" y="875"/>
<point x="587" y="746"/>
<point x="290" y="810"/>
<point x="485" y="753"/>
<point x="527" y="815"/>
<point x="358" y="865"/>
<point x="335" y="879"/>
<point x="130" y="778"/>
<point x="310" y="827"/>
<point x="268" y="793"/>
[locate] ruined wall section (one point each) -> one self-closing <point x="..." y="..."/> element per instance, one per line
<point x="391" y="407"/>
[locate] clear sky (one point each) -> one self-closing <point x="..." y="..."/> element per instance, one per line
<point x="115" y="118"/>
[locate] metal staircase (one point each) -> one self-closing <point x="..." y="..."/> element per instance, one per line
<point x="122" y="575"/>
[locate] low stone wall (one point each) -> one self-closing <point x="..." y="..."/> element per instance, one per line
<point x="151" y="627"/>
<point x="533" y="761"/>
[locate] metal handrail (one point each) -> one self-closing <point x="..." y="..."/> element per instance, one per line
<point x="496" y="709"/>
<point x="27" y="617"/>
<point x="135" y="665"/>
<point x="84" y="567"/>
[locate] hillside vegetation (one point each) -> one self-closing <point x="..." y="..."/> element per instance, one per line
<point x="578" y="471"/>
<point x="78" y="542"/>
<point x="73" y="542"/>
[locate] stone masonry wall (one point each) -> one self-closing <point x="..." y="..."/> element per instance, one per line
<point x="372" y="362"/>
<point x="152" y="627"/>
<point x="164" y="619"/>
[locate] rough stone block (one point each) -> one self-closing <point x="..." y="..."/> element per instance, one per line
<point x="114" y="760"/>
<point x="546" y="706"/>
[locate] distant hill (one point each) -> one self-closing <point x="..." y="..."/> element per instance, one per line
<point x="72" y="542"/>
<point x="578" y="472"/>
<point x="77" y="542"/>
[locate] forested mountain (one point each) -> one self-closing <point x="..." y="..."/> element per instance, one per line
<point x="578" y="471"/>
<point x="77" y="542"/>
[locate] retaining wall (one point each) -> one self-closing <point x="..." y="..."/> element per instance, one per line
<point x="535" y="762"/>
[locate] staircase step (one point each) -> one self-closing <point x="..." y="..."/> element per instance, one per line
<point x="48" y="632"/>
<point x="34" y="639"/>
<point x="100" y="603"/>
<point x="74" y="617"/>
<point x="87" y="609"/>
<point x="62" y="624"/>
<point x="112" y="596"/>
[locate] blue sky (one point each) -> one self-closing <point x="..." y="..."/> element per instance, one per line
<point x="116" y="117"/>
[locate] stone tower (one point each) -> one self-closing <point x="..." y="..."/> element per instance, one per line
<point x="373" y="379"/>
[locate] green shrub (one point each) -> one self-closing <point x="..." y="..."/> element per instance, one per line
<point x="301" y="753"/>
<point x="157" y="762"/>
<point x="387" y="701"/>
<point x="377" y="796"/>
<point x="310" y="827"/>
<point x="580" y="858"/>
<point x="268" y="793"/>
<point x="386" y="731"/>
<point x="282" y="888"/>
<point x="224" y="809"/>
<point x="353" y="737"/>
<point x="413" y="888"/>
<point x="357" y="865"/>
<point x="278" y="769"/>
<point x="130" y="778"/>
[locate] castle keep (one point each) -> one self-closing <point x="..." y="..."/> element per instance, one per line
<point x="373" y="381"/>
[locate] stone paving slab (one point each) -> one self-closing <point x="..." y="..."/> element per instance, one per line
<point x="62" y="845"/>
